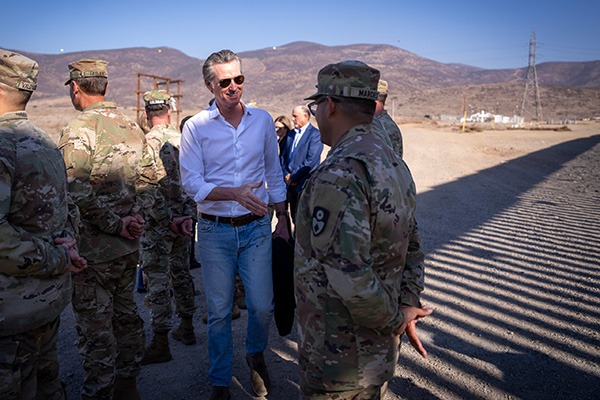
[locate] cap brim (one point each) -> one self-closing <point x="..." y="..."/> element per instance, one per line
<point x="314" y="96"/>
<point x="67" y="82"/>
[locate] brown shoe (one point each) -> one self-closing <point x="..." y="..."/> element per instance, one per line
<point x="261" y="383"/>
<point x="219" y="393"/>
<point x="185" y="332"/>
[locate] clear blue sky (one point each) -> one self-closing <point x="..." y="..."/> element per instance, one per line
<point x="488" y="34"/>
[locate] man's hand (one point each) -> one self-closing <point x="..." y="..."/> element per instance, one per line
<point x="411" y="315"/>
<point x="78" y="263"/>
<point x="411" y="334"/>
<point x="246" y="197"/>
<point x="288" y="180"/>
<point x="281" y="229"/>
<point x="133" y="226"/>
<point x="182" y="225"/>
<point x="136" y="228"/>
<point x="186" y="227"/>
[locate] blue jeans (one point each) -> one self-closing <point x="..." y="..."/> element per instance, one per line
<point x="223" y="251"/>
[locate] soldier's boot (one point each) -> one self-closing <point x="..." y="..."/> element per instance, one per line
<point x="158" y="351"/>
<point x="259" y="376"/>
<point x="126" y="389"/>
<point x="185" y="332"/>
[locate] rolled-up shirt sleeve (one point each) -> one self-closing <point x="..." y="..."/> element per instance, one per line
<point x="191" y="161"/>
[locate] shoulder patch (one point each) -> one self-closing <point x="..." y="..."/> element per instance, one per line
<point x="319" y="220"/>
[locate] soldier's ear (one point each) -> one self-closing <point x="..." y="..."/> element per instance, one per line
<point x="331" y="106"/>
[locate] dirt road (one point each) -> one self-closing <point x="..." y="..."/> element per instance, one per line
<point x="511" y="226"/>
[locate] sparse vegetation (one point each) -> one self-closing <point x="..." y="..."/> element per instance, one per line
<point x="278" y="80"/>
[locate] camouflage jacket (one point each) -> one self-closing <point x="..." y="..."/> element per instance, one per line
<point x="164" y="141"/>
<point x="34" y="272"/>
<point x="393" y="132"/>
<point x="110" y="175"/>
<point x="354" y="224"/>
<point x="379" y="131"/>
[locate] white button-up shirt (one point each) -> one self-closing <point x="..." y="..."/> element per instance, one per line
<point x="298" y="136"/>
<point x="215" y="154"/>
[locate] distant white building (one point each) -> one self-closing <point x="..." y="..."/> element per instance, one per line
<point x="484" y="116"/>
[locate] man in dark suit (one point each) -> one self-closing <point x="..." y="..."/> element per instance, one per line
<point x="305" y="148"/>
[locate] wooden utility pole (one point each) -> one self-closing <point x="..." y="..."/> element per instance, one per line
<point x="158" y="82"/>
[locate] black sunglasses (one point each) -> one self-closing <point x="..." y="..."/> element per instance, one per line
<point x="312" y="107"/>
<point x="226" y="82"/>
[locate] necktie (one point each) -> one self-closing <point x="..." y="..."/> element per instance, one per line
<point x="294" y="145"/>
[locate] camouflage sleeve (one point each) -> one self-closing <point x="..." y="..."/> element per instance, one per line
<point x="150" y="172"/>
<point x="74" y="219"/>
<point x="77" y="150"/>
<point x="189" y="207"/>
<point x="149" y="200"/>
<point x="179" y="202"/>
<point x="413" y="275"/>
<point x="21" y="253"/>
<point x="343" y="247"/>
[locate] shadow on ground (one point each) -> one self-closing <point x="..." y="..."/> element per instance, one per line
<point x="513" y="274"/>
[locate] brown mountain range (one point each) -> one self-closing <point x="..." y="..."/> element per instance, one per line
<point x="279" y="78"/>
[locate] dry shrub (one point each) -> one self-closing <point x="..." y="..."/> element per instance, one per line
<point x="563" y="128"/>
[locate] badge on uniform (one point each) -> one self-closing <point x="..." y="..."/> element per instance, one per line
<point x="319" y="220"/>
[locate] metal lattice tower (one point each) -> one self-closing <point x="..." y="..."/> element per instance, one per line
<point x="532" y="90"/>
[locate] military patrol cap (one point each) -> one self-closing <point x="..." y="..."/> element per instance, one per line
<point x="382" y="87"/>
<point x="87" y="68"/>
<point x="18" y="71"/>
<point x="351" y="78"/>
<point x="157" y="97"/>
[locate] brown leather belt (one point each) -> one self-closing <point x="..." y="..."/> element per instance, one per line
<point x="233" y="221"/>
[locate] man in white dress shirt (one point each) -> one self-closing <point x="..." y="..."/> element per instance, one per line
<point x="228" y="159"/>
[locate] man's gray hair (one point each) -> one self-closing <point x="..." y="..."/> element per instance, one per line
<point x="220" y="57"/>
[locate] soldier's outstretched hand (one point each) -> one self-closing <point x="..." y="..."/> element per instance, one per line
<point x="411" y="315"/>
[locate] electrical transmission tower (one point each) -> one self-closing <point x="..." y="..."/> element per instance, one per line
<point x="532" y="90"/>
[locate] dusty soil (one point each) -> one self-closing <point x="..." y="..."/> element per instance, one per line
<point x="511" y="226"/>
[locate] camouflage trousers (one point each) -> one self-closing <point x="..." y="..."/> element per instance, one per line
<point x="111" y="332"/>
<point x="368" y="393"/>
<point x="165" y="262"/>
<point x="29" y="365"/>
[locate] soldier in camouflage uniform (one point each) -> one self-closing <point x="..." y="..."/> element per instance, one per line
<point x="355" y="291"/>
<point x="386" y="122"/>
<point x="111" y="179"/>
<point x="166" y="243"/>
<point x="37" y="242"/>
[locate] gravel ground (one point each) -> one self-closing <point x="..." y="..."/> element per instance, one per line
<point x="511" y="226"/>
